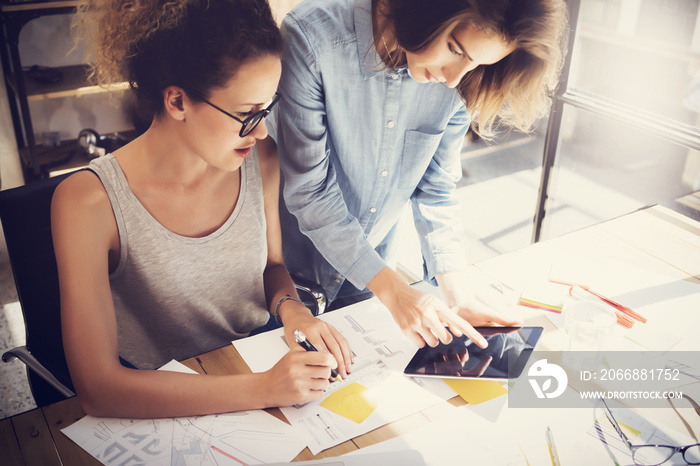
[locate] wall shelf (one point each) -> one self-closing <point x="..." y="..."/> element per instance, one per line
<point x="30" y="6"/>
<point x="22" y="89"/>
<point x="73" y="84"/>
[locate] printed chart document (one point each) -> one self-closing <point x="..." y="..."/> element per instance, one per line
<point x="371" y="332"/>
<point x="224" y="439"/>
<point x="368" y="326"/>
<point x="374" y="394"/>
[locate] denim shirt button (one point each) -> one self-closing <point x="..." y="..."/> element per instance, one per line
<point x="394" y="76"/>
<point x="373" y="210"/>
<point x="390" y="124"/>
<point x="384" y="173"/>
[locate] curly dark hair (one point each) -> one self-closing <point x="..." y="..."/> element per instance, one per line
<point x="194" y="44"/>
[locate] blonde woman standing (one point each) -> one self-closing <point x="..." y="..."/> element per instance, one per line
<point x="377" y="98"/>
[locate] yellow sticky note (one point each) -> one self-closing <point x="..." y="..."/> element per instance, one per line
<point x="629" y="431"/>
<point x="350" y="402"/>
<point x="476" y="391"/>
<point x="546" y="296"/>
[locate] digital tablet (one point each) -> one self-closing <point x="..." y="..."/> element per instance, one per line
<point x="508" y="350"/>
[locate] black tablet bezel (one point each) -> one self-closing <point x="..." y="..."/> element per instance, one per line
<point x="533" y="335"/>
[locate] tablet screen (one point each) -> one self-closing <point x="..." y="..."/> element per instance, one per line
<point x="463" y="359"/>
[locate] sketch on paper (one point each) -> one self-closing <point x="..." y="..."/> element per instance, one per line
<point x="217" y="440"/>
<point x="235" y="438"/>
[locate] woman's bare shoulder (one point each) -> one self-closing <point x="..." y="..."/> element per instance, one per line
<point x="81" y="200"/>
<point x="82" y="189"/>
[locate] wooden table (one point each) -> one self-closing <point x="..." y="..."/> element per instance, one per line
<point x="656" y="239"/>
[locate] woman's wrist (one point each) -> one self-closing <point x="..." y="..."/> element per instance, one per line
<point x="386" y="284"/>
<point x="454" y="287"/>
<point x="262" y="385"/>
<point x="287" y="306"/>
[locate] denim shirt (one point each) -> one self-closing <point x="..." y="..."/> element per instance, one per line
<point x="357" y="143"/>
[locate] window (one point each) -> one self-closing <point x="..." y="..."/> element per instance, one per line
<point x="624" y="129"/>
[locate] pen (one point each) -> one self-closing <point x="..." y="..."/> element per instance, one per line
<point x="552" y="447"/>
<point x="300" y="338"/>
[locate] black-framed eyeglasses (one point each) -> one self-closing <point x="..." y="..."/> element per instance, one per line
<point x="252" y="122"/>
<point x="653" y="455"/>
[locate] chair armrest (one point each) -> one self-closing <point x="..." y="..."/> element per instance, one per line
<point x="23" y="354"/>
<point x="311" y="294"/>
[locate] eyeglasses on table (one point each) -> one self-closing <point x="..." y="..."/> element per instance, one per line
<point x="653" y="454"/>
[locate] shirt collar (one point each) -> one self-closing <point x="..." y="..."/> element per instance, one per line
<point x="370" y="61"/>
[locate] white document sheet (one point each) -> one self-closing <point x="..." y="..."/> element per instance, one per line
<point x="224" y="439"/>
<point x="582" y="442"/>
<point x="650" y="294"/>
<point x="371" y="332"/>
<point x="460" y="438"/>
<point x="368" y="326"/>
<point x="394" y="395"/>
<point x="381" y="354"/>
<point x="488" y="434"/>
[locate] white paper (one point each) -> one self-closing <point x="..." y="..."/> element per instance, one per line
<point x="394" y="394"/>
<point x="653" y="295"/>
<point x="471" y="435"/>
<point x="381" y="353"/>
<point x="368" y="327"/>
<point x="175" y="366"/>
<point x="460" y="438"/>
<point x="223" y="439"/>
<point x="582" y="442"/>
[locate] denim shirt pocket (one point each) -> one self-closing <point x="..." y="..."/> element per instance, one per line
<point x="418" y="150"/>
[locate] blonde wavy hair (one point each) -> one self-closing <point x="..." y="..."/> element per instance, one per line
<point x="512" y="93"/>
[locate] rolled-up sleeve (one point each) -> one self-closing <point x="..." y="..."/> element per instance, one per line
<point x="311" y="192"/>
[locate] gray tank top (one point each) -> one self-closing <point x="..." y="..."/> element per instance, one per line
<point x="175" y="296"/>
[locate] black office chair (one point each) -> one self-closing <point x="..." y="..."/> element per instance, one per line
<point x="311" y="294"/>
<point x="26" y="219"/>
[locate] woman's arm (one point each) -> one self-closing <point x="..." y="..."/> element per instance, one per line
<point x="311" y="192"/>
<point x="313" y="195"/>
<point x="436" y="215"/>
<point x="278" y="283"/>
<point x="85" y="235"/>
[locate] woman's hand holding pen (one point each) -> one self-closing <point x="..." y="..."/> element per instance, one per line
<point x="299" y="377"/>
<point x="321" y="334"/>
